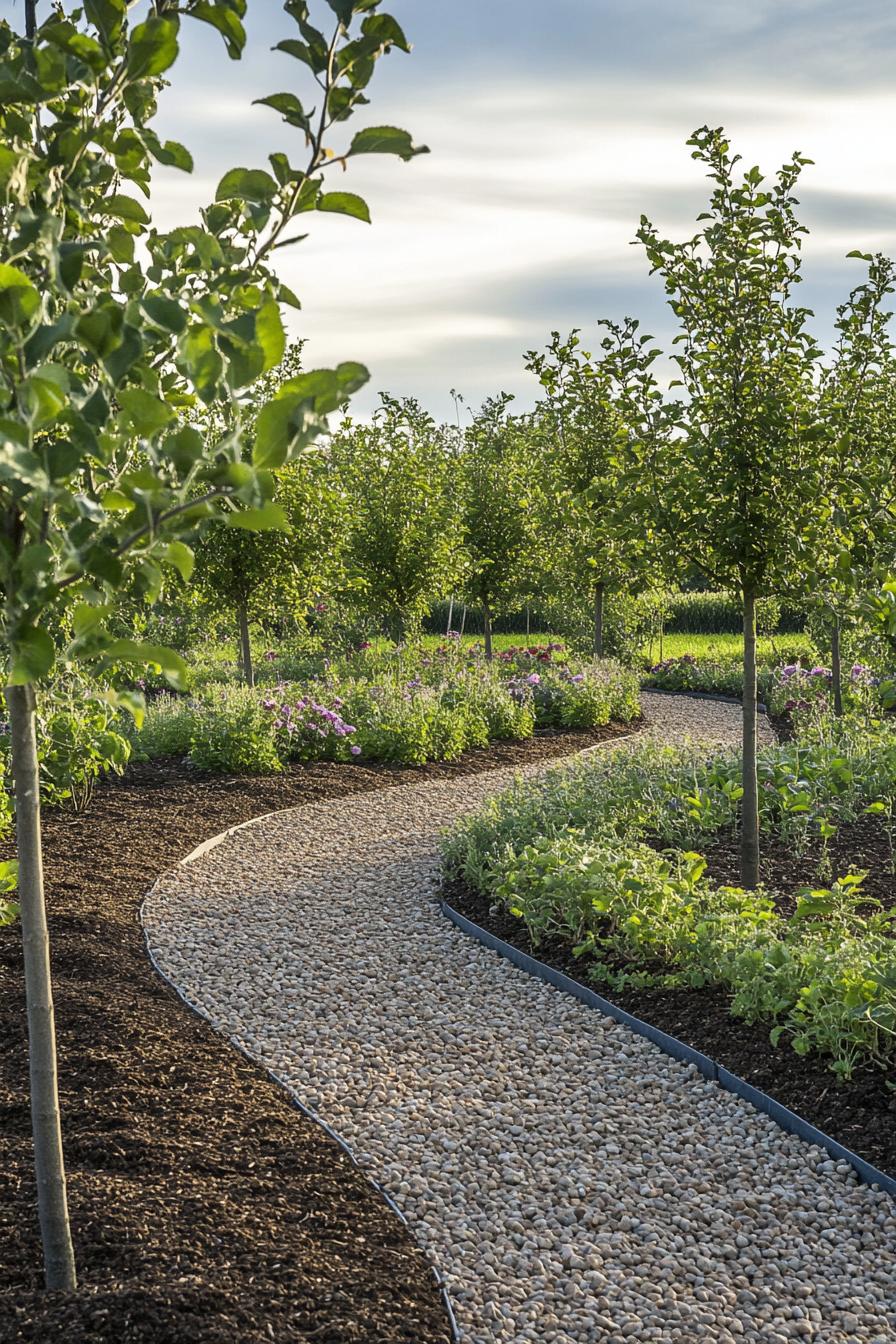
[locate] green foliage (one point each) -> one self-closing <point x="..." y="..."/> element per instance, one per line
<point x="498" y="508"/>
<point x="568" y="854"/>
<point x="401" y="705"/>
<point x="107" y="349"/>
<point x="233" y="734"/>
<point x="80" y="738"/>
<point x="736" y="485"/>
<point x="9" y="880"/>
<point x="167" y="728"/>
<point x="399" y="472"/>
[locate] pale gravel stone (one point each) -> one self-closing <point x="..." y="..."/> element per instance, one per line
<point x="573" y="1184"/>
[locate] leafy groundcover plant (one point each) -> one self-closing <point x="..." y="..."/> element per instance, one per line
<point x="605" y="854"/>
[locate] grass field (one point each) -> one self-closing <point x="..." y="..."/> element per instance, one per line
<point x="712" y="648"/>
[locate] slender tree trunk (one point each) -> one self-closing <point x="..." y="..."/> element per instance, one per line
<point x="749" y="838"/>
<point x="836" y="667"/>
<point x="450" y="615"/>
<point x="463" y="619"/>
<point x="487" y="631"/>
<point x="598" y="620"/>
<point x="52" y="1204"/>
<point x="30" y="18"/>
<point x="242" y="617"/>
<point x="528" y="621"/>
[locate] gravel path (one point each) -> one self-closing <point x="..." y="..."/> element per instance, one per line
<point x="574" y="1185"/>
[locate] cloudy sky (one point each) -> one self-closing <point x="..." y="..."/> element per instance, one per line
<point x="553" y="125"/>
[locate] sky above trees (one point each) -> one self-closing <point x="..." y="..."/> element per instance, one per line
<point x="552" y="128"/>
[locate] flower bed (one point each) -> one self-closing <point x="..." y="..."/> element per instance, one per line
<point x="401" y="705"/>
<point x="610" y="858"/>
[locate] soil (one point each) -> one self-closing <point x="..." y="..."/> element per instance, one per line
<point x="206" y="1209"/>
<point x="860" y="1113"/>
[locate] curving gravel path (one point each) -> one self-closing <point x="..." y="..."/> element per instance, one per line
<point x="574" y="1184"/>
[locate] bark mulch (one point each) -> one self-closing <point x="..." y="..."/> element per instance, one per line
<point x="860" y="1113"/>
<point x="205" y="1208"/>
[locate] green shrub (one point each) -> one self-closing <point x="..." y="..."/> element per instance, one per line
<point x="233" y="734"/>
<point x="167" y="728"/>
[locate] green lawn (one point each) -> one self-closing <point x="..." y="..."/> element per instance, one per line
<point x="711" y="648"/>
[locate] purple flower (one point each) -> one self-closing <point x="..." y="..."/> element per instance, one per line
<point x="533" y="679"/>
<point x="356" y="751"/>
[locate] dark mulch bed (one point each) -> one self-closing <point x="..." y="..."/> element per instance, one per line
<point x="861" y="1113"/>
<point x="205" y="1208"/>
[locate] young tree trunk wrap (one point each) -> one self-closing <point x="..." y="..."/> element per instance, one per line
<point x="599" y="620"/>
<point x="242" y="617"/>
<point x="749" y="839"/>
<point x="59" y="1257"/>
<point x="836" y="667"/>
<point x="487" y="630"/>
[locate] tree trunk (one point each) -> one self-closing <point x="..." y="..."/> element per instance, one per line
<point x="528" y="621"/>
<point x="749" y="838"/>
<point x="599" y="620"/>
<point x="450" y="616"/>
<point x="30" y="18"/>
<point x="836" y="667"/>
<point x="463" y="619"/>
<point x="487" y="631"/>
<point x="242" y="617"/>
<point x="52" y="1204"/>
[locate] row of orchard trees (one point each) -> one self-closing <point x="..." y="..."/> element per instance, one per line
<point x="765" y="467"/>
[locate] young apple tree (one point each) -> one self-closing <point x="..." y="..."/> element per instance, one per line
<point x="400" y="476"/>
<point x="111" y="333"/>
<point x="499" y="516"/>
<point x="583" y="471"/>
<point x="738" y="485"/>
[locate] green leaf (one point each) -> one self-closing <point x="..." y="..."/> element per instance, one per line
<point x="142" y="413"/>
<point x="269" y="333"/>
<point x="164" y="312"/>
<point x="383" y="28"/>
<point x="86" y="618"/>
<point x="153" y="47"/>
<point x="127" y="209"/>
<point x="226" y="21"/>
<point x="247" y="184"/>
<point x="385" y="140"/>
<point x="201" y="360"/>
<point x="343" y="9"/>
<point x="345" y="203"/>
<point x="269" y="518"/>
<point x="169" y="662"/>
<point x="107" y="16"/>
<point x="179" y="555"/>
<point x="33" y="654"/>
<point x="173" y="155"/>
<point x="289" y="107"/>
<point x="19" y="300"/>
<point x="300" y="50"/>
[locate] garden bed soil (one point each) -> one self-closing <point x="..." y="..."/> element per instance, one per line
<point x="860" y="1113"/>
<point x="205" y="1208"/>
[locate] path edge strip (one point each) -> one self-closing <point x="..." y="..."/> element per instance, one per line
<point x="788" y="1120"/>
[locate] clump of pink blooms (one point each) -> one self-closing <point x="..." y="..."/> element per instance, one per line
<point x="307" y="725"/>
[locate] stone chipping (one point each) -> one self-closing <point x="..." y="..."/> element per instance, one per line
<point x="573" y="1184"/>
